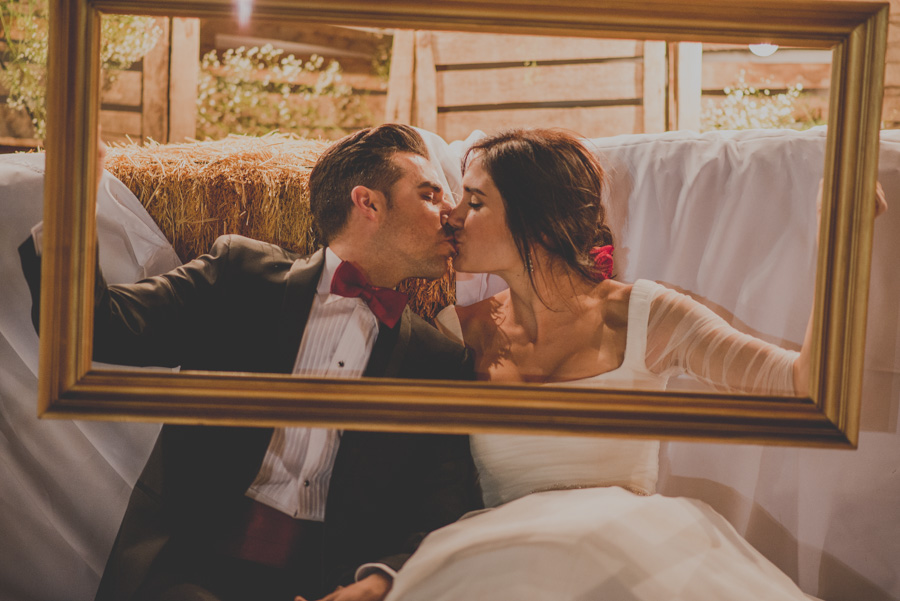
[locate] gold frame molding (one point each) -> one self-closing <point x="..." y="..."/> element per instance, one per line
<point x="855" y="31"/>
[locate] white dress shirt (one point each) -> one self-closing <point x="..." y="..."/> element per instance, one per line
<point x="337" y="342"/>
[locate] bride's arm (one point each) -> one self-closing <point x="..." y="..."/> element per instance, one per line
<point x="685" y="336"/>
<point x="802" y="364"/>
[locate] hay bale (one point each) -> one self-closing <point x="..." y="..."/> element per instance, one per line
<point x="253" y="186"/>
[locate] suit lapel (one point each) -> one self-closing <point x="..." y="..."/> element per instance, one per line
<point x="300" y="291"/>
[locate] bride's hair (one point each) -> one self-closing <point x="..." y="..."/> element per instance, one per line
<point x="551" y="186"/>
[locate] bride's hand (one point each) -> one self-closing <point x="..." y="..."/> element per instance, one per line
<point x="880" y="202"/>
<point x="801" y="366"/>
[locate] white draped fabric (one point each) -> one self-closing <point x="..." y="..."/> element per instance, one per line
<point x="728" y="216"/>
<point x="63" y="484"/>
<point x="589" y="545"/>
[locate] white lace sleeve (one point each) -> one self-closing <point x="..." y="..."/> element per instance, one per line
<point x="683" y="336"/>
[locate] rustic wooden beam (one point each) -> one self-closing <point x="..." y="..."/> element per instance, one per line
<point x="426" y="82"/>
<point x="154" y="88"/>
<point x="183" y="76"/>
<point x="689" y="85"/>
<point x="655" y="80"/>
<point x="400" y="81"/>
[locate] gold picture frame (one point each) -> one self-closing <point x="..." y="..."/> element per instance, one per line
<point x="856" y="32"/>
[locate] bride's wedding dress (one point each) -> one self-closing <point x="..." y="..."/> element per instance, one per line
<point x="577" y="518"/>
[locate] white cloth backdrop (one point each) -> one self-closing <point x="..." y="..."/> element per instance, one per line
<point x="63" y="484"/>
<point x="729" y="216"/>
<point x="726" y="216"/>
<point x="830" y="519"/>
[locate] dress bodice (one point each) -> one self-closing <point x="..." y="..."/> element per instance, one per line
<point x="511" y="466"/>
<point x="668" y="333"/>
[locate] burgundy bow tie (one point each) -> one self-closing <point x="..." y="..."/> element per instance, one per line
<point x="386" y="304"/>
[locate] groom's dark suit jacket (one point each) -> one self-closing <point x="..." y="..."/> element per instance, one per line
<point x="243" y="307"/>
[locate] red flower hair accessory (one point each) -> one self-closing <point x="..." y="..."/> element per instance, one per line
<point x="603" y="262"/>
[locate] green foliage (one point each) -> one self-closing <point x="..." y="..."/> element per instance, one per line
<point x="749" y="107"/>
<point x="259" y="90"/>
<point x="381" y="61"/>
<point x="125" y="39"/>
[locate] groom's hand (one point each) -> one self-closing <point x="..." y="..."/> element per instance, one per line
<point x="373" y="587"/>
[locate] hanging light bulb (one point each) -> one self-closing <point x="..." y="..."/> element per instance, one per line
<point x="244" y="10"/>
<point x="763" y="49"/>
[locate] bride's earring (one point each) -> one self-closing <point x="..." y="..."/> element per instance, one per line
<point x="528" y="264"/>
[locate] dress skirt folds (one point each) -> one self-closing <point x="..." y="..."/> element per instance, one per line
<point x="591" y="544"/>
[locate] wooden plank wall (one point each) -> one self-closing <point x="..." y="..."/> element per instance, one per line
<point x="890" y="112"/>
<point x="157" y="97"/>
<point x="464" y="82"/>
<point x="353" y="48"/>
<point x="785" y="68"/>
<point x="597" y="87"/>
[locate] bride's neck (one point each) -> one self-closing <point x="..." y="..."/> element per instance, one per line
<point x="553" y="295"/>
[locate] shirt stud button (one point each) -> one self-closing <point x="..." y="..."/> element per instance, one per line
<point x="340" y="364"/>
<point x="306" y="483"/>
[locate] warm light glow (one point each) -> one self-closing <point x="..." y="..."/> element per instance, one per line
<point x="244" y="10"/>
<point x="763" y="49"/>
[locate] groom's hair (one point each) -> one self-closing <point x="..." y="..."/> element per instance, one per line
<point x="364" y="158"/>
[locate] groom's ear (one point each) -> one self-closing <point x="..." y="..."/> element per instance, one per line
<point x="369" y="204"/>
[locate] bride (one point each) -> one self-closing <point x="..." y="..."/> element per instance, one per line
<point x="576" y="517"/>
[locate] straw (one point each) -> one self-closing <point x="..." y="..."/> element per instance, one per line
<point x="253" y="186"/>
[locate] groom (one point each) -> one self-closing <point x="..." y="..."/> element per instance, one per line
<point x="223" y="513"/>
